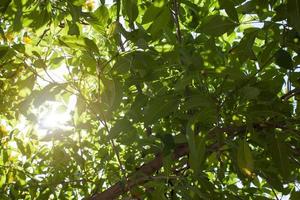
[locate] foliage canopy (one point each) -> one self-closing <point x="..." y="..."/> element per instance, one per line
<point x="158" y="99"/>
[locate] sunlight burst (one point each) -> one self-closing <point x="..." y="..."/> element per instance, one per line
<point x="56" y="115"/>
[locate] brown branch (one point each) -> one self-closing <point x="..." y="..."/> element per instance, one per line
<point x="140" y="176"/>
<point x="290" y="94"/>
<point x="143" y="174"/>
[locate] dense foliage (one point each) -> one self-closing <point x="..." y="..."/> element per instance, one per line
<point x="173" y="99"/>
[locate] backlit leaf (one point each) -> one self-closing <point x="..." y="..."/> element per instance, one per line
<point x="150" y="14"/>
<point x="196" y="144"/>
<point x="217" y="25"/>
<point x="244" y="158"/>
<point x="228" y="5"/>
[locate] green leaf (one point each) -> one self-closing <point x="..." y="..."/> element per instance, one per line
<point x="60" y="159"/>
<point x="57" y="134"/>
<point x="5" y="156"/>
<point x="89" y="63"/>
<point x="91" y="45"/>
<point x="78" y="42"/>
<point x="228" y="5"/>
<point x="280" y="156"/>
<point x="47" y="93"/>
<point x="167" y="163"/>
<point x="250" y="92"/>
<point x="159" y="97"/>
<point x="39" y="63"/>
<point x="38" y="17"/>
<point x="44" y="195"/>
<point x="75" y="11"/>
<point x="56" y="62"/>
<point x="217" y="25"/>
<point x="168" y="141"/>
<point x="121" y="126"/>
<point x="3" y="51"/>
<point x="17" y="23"/>
<point x="198" y="101"/>
<point x="20" y="146"/>
<point x="196" y="144"/>
<point x="19" y="47"/>
<point x="160" y="23"/>
<point x="2" y="34"/>
<point x="131" y="9"/>
<point x="293" y="11"/>
<point x="267" y="53"/>
<point x="73" y="28"/>
<point x="151" y="14"/>
<point x="244" y="50"/>
<point x="2" y="181"/>
<point x="158" y="108"/>
<point x="78" y="2"/>
<point x="135" y="111"/>
<point x="4" y="5"/>
<point x="247" y="7"/>
<point x="112" y="93"/>
<point x="281" y="12"/>
<point x="295" y="195"/>
<point x="102" y="14"/>
<point x="159" y="192"/>
<point x="123" y="63"/>
<point x="283" y="59"/>
<point x="244" y="158"/>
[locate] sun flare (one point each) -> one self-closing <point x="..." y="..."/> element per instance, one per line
<point x="56" y="115"/>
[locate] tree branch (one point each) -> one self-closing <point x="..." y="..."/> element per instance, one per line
<point x="142" y="174"/>
<point x="290" y="94"/>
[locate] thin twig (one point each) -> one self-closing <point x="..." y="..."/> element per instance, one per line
<point x="290" y="94"/>
<point x="274" y="192"/>
<point x="176" y="20"/>
<point x="42" y="36"/>
<point x="104" y="123"/>
<point x="118" y="21"/>
<point x="115" y="150"/>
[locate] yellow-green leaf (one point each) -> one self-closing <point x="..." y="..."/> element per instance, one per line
<point x="244" y="158"/>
